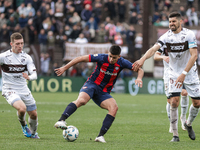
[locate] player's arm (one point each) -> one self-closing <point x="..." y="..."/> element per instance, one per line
<point x="158" y="56"/>
<point x="73" y="62"/>
<point x="138" y="81"/>
<point x="193" y="58"/>
<point x="139" y="63"/>
<point x="31" y="77"/>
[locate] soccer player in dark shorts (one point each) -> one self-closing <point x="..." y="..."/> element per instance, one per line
<point x="99" y="85"/>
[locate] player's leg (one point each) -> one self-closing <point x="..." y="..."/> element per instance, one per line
<point x="82" y="99"/>
<point x="33" y="121"/>
<point x="111" y="105"/>
<point x="174" y="115"/>
<point x="193" y="112"/>
<point x="184" y="107"/>
<point x="168" y="113"/>
<point x="21" y="113"/>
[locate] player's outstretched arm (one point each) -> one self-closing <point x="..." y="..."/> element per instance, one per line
<point x="73" y="62"/>
<point x="158" y="56"/>
<point x="138" y="81"/>
<point x="139" y="63"/>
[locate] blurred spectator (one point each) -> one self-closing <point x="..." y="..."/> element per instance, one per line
<point x="75" y="18"/>
<point x="86" y="13"/>
<point x="101" y="34"/>
<point x="87" y="33"/>
<point x="38" y="21"/>
<point x="121" y="10"/>
<point x="47" y="24"/>
<point x="63" y="43"/>
<point x="118" y="39"/>
<point x="97" y="13"/>
<point x="42" y="39"/>
<point x="155" y="17"/>
<point x="75" y="33"/>
<point x="156" y="5"/>
<point x="17" y="28"/>
<point x="59" y="7"/>
<point x="138" y="45"/>
<point x="81" y="39"/>
<point x="44" y="63"/>
<point x="140" y="20"/>
<point x="130" y="37"/>
<point x="3" y="20"/>
<point x="42" y="9"/>
<point x="88" y="70"/>
<point x="157" y="23"/>
<point x="51" y="40"/>
<point x="87" y="2"/>
<point x="2" y="8"/>
<point x="7" y="5"/>
<point x="55" y="66"/>
<point x="164" y="22"/>
<point x="23" y="20"/>
<point x="22" y="10"/>
<point x="78" y="6"/>
<point x="182" y="11"/>
<point x="111" y="28"/>
<point x="110" y="8"/>
<point x="92" y="26"/>
<point x="11" y="24"/>
<point x="107" y="20"/>
<point x="133" y="19"/>
<point x="4" y="35"/>
<point x="31" y="31"/>
<point x="72" y="71"/>
<point x="190" y="3"/>
<point x="192" y="16"/>
<point x="36" y="4"/>
<point x="168" y="4"/>
<point x="30" y="9"/>
<point x="137" y="5"/>
<point x="67" y="31"/>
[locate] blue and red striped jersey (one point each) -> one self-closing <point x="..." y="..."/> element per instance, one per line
<point x="105" y="74"/>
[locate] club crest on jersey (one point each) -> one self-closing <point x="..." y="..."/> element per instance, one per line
<point x="22" y="60"/>
<point x="183" y="38"/>
<point x="116" y="68"/>
<point x="85" y="87"/>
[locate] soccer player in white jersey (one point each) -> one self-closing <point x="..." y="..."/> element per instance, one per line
<point x="182" y="49"/>
<point x="17" y="67"/>
<point x="162" y="54"/>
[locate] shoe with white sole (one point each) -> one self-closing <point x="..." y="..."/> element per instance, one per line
<point x="61" y="124"/>
<point x="100" y="139"/>
<point x="183" y="120"/>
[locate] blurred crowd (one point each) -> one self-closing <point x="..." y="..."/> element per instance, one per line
<point x="54" y="22"/>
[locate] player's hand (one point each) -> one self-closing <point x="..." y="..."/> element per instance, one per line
<point x="138" y="82"/>
<point x="25" y="75"/>
<point x="166" y="59"/>
<point x="137" y="64"/>
<point x="59" y="71"/>
<point x="179" y="81"/>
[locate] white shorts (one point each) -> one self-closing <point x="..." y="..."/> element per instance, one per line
<point x="192" y="89"/>
<point x="15" y="95"/>
<point x="167" y="90"/>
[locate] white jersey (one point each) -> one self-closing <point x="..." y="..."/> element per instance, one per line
<point x="12" y="66"/>
<point x="178" y="50"/>
<point x="163" y="51"/>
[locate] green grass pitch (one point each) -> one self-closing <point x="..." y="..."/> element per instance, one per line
<point x="141" y="123"/>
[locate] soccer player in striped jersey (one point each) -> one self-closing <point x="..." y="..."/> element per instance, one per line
<point x="162" y="54"/>
<point x="17" y="67"/>
<point x="182" y="49"/>
<point x="98" y="86"/>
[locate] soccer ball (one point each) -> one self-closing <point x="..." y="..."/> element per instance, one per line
<point x="71" y="133"/>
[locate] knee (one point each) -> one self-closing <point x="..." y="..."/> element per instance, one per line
<point x="184" y="93"/>
<point x="33" y="115"/>
<point x="80" y="102"/>
<point x="113" y="110"/>
<point x="22" y="111"/>
<point x="196" y="104"/>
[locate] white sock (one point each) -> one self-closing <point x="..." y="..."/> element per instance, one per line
<point x="174" y="120"/>
<point x="192" y="114"/>
<point x="168" y="110"/>
<point x="22" y="119"/>
<point x="33" y="125"/>
<point x="184" y="106"/>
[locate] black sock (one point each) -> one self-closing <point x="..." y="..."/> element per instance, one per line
<point x="106" y="124"/>
<point x="70" y="109"/>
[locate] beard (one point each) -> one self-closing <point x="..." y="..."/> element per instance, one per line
<point x="175" y="27"/>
